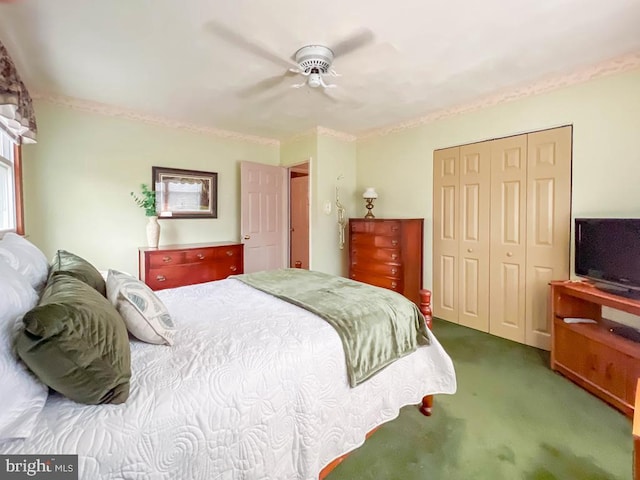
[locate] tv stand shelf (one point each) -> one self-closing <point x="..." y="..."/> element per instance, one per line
<point x="602" y="362"/>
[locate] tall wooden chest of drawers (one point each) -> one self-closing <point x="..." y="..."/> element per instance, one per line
<point x="177" y="265"/>
<point x="387" y="253"/>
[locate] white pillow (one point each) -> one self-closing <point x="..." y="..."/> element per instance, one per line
<point x="22" y="395"/>
<point x="143" y="312"/>
<point x="25" y="257"/>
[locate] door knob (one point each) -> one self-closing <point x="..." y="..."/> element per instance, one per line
<point x="247" y="237"/>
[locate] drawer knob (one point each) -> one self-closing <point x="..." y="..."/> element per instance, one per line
<point x="394" y="256"/>
<point x="394" y="270"/>
<point x="353" y="275"/>
<point x="166" y="259"/>
<point x="509" y="254"/>
<point x="200" y="256"/>
<point x="233" y="268"/>
<point x="469" y="250"/>
<point x="394" y="284"/>
<point x="394" y="242"/>
<point x="394" y="228"/>
<point x="161" y="278"/>
<point x="229" y="253"/>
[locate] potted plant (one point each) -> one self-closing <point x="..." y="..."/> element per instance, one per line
<point x="147" y="200"/>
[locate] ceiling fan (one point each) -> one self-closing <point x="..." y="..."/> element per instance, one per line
<point x="313" y="62"/>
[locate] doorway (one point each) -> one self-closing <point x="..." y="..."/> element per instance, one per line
<point x="299" y="216"/>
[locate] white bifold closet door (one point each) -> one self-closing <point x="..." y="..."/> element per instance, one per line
<point x="502" y="232"/>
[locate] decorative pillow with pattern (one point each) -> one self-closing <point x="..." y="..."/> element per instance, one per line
<point x="143" y="312"/>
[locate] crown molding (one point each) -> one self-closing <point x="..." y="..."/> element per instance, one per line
<point x="118" y="112"/>
<point x="321" y="131"/>
<point x="617" y="65"/>
<point x="328" y="132"/>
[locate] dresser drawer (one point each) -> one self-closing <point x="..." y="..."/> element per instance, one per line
<point x="377" y="280"/>
<point x="393" y="270"/>
<point x="228" y="266"/>
<point x="232" y="251"/>
<point x="364" y="239"/>
<point x="160" y="259"/>
<point x="385" y="227"/>
<point x="364" y="253"/>
<point x="178" y="275"/>
<point x="198" y="255"/>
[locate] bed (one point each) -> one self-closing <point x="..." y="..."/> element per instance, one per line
<point x="253" y="387"/>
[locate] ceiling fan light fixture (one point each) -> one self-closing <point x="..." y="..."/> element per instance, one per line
<point x="315" y="80"/>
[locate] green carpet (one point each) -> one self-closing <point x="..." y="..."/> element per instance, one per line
<point x="511" y="418"/>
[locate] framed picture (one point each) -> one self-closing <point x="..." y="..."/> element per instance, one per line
<point x="185" y="193"/>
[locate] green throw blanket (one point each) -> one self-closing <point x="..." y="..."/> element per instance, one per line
<point x="376" y="325"/>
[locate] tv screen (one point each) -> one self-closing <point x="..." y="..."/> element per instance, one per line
<point x="607" y="250"/>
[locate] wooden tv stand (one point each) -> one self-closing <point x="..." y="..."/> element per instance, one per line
<point x="601" y="362"/>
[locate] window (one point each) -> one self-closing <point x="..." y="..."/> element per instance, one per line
<point x="11" y="219"/>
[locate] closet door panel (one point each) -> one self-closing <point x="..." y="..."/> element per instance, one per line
<point x="475" y="185"/>
<point x="446" y="220"/>
<point x="548" y="226"/>
<point x="508" y="237"/>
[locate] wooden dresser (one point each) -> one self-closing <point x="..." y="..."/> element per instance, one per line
<point x="388" y="253"/>
<point x="176" y="265"/>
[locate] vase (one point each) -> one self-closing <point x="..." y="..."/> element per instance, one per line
<point x="153" y="232"/>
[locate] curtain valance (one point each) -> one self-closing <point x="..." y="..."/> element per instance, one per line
<point x="17" y="116"/>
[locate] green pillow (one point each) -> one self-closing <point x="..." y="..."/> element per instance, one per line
<point x="67" y="263"/>
<point x="75" y="342"/>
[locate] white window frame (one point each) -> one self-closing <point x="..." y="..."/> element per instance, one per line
<point x="11" y="201"/>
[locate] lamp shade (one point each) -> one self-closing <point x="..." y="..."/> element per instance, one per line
<point x="370" y="192"/>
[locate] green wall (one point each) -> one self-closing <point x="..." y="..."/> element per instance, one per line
<point x="78" y="177"/>
<point x="605" y="114"/>
<point x="330" y="158"/>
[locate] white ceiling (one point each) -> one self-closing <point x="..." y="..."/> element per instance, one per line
<point x="164" y="58"/>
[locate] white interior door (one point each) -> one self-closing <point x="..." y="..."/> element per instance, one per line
<point x="263" y="194"/>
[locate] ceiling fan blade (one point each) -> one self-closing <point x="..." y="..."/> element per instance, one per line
<point x="336" y="97"/>
<point x="241" y="42"/>
<point x="354" y="41"/>
<point x="263" y="85"/>
<point x="326" y="94"/>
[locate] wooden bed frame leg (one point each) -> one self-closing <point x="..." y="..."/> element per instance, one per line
<point x="427" y="405"/>
<point x="425" y="306"/>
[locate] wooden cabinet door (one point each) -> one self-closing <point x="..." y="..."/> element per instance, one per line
<point x="606" y="368"/>
<point x="508" y="237"/>
<point x="445" y="233"/>
<point x="548" y="226"/>
<point x="473" y="256"/>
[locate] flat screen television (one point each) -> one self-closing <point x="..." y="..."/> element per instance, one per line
<point x="607" y="251"/>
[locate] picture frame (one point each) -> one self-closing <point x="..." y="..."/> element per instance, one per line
<point x="185" y="193"/>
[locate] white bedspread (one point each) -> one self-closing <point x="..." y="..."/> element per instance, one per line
<point x="253" y="388"/>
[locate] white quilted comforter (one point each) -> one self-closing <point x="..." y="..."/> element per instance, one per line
<point x="253" y="388"/>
